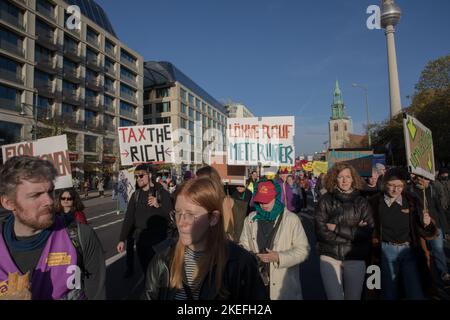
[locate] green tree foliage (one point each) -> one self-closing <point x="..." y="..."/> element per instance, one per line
<point x="431" y="106"/>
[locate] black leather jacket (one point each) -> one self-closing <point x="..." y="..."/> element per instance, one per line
<point x="348" y="241"/>
<point x="241" y="279"/>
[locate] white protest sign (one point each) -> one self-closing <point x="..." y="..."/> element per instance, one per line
<point x="268" y="141"/>
<point x="53" y="149"/>
<point x="146" y="144"/>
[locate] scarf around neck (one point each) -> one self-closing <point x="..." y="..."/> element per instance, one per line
<point x="277" y="209"/>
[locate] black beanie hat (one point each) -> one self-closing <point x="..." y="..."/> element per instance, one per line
<point x="396" y="174"/>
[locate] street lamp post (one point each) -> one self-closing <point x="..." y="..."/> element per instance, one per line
<point x="34" y="111"/>
<point x="355" y="85"/>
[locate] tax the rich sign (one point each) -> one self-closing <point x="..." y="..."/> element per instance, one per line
<point x="146" y="144"/>
<point x="419" y="147"/>
<point x="267" y="141"/>
<point x="53" y="149"/>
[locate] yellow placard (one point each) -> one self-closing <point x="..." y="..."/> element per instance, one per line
<point x="320" y="167"/>
<point x="55" y="259"/>
<point x="308" y="167"/>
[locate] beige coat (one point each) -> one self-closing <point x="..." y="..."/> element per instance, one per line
<point x="292" y="246"/>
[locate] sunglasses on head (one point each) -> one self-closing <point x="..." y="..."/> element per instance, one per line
<point x="140" y="176"/>
<point x="66" y="199"/>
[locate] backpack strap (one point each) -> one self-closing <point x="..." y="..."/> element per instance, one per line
<point x="75" y="237"/>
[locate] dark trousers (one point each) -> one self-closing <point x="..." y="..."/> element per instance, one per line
<point x="130" y="254"/>
<point x="145" y="254"/>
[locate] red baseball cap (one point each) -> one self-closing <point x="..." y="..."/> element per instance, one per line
<point x="266" y="192"/>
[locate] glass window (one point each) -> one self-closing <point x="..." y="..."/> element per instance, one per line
<point x="109" y="64"/>
<point x="148" y="109"/>
<point x="69" y="86"/>
<point x="109" y="102"/>
<point x="90" y="115"/>
<point x="183" y="108"/>
<point x="163" y="120"/>
<point x="126" y="74"/>
<point x="91" y="55"/>
<point x="9" y="97"/>
<point x="69" y="65"/>
<point x="197" y="104"/>
<point x="183" y="94"/>
<point x="183" y="123"/>
<point x="162" y="93"/>
<point x="127" y="107"/>
<point x="9" y="66"/>
<point x="90" y="94"/>
<point x="108" y="145"/>
<point x="163" y="107"/>
<point x="109" y="82"/>
<point x="91" y="36"/>
<point x="204" y="108"/>
<point x="91" y="75"/>
<point x="10" y="132"/>
<point x="42" y="53"/>
<point x="109" y="46"/>
<point x="191" y="99"/>
<point x="191" y="125"/>
<point x="43" y="29"/>
<point x="126" y="56"/>
<point x="90" y="143"/>
<point x="67" y="109"/>
<point x="108" y="120"/>
<point x="127" y="91"/>
<point x="336" y="127"/>
<point x="198" y="116"/>
<point x="10" y="38"/>
<point x="45" y="7"/>
<point x="126" y="123"/>
<point x="191" y="112"/>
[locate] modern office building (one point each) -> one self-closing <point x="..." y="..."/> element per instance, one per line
<point x="81" y="82"/>
<point x="196" y="117"/>
<point x="238" y="110"/>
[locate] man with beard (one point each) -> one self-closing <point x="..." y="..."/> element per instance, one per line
<point x="61" y="264"/>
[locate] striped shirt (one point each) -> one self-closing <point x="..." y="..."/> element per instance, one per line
<point x="191" y="261"/>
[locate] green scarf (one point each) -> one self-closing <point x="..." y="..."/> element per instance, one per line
<point x="278" y="207"/>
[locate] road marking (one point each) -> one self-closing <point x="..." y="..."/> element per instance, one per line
<point x="108" y="224"/>
<point x="102" y="215"/>
<point x="115" y="258"/>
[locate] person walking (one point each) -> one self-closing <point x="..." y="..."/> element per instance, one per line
<point x="344" y="225"/>
<point x="202" y="264"/>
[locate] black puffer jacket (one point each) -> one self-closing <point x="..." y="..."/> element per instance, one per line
<point x="348" y="241"/>
<point x="241" y="280"/>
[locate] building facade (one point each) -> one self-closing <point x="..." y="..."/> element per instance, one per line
<point x="340" y="126"/>
<point x="238" y="110"/>
<point x="83" y="82"/>
<point x="198" y="120"/>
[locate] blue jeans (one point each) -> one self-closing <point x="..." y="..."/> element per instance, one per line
<point x="399" y="261"/>
<point x="437" y="251"/>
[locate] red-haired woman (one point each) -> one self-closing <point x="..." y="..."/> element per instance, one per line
<point x="203" y="264"/>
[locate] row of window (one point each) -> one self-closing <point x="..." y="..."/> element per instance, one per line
<point x="199" y="105"/>
<point x="12" y="13"/>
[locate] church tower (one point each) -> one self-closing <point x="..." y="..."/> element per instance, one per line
<point x="340" y="126"/>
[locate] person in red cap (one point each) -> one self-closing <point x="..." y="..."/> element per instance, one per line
<point x="278" y="239"/>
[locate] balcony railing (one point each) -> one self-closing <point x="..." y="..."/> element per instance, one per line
<point x="128" y="114"/>
<point x="128" y="63"/>
<point x="110" y="88"/>
<point x="72" y="52"/>
<point x="128" y="97"/>
<point x="47" y="63"/>
<point x="71" y="97"/>
<point x="110" y="70"/>
<point x="46" y="38"/>
<point x="92" y="40"/>
<point x="110" y="128"/>
<point x="10" y="76"/>
<point x="94" y="125"/>
<point x="94" y="105"/>
<point x="94" y="84"/>
<point x="129" y="81"/>
<point x="110" y="51"/>
<point x="12" y="20"/>
<point x="48" y="13"/>
<point x="15" y="49"/>
<point x="94" y="64"/>
<point x="71" y="74"/>
<point x="44" y="87"/>
<point x="110" y="109"/>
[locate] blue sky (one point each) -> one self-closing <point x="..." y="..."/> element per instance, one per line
<point x="282" y="57"/>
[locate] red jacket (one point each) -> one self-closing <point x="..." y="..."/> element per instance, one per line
<point x="80" y="217"/>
